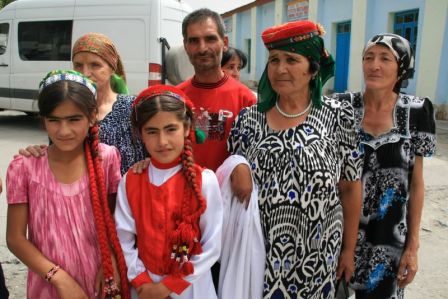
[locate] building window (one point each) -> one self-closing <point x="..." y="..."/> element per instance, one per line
<point x="247" y="49"/>
<point x="228" y="25"/>
<point x="343" y="27"/>
<point x="406" y="25"/>
<point x="45" y="41"/>
<point x="4" y="31"/>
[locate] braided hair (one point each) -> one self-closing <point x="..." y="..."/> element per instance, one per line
<point x="107" y="234"/>
<point x="185" y="237"/>
<point x="60" y="86"/>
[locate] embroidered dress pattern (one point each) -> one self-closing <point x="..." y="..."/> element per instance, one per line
<point x="387" y="175"/>
<point x="297" y="171"/>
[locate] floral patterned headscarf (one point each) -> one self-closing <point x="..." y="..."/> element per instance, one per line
<point x="102" y="46"/>
<point x="400" y="48"/>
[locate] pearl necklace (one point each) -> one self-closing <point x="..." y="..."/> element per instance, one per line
<point x="292" y="115"/>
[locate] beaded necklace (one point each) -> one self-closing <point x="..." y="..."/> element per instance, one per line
<point x="293" y="115"/>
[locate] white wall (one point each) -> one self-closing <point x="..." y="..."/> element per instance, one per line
<point x="442" y="86"/>
<point x="379" y="20"/>
<point x="431" y="42"/>
<point x="330" y="13"/>
<point x="265" y="19"/>
<point x="244" y="21"/>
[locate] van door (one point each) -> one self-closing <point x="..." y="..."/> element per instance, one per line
<point x="5" y="64"/>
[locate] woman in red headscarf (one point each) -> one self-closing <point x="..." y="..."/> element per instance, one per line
<point x="304" y="159"/>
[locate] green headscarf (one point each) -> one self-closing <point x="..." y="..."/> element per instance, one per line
<point x="310" y="45"/>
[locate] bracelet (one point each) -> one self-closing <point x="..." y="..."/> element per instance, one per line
<point x="52" y="272"/>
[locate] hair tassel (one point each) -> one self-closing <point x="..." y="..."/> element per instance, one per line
<point x="187" y="268"/>
<point x="118" y="84"/>
<point x="197" y="248"/>
<point x="199" y="136"/>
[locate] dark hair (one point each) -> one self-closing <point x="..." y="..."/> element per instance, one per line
<point x="53" y="95"/>
<point x="202" y="15"/>
<point x="148" y="107"/>
<point x="232" y="52"/>
<point x="314" y="66"/>
<point x="184" y="233"/>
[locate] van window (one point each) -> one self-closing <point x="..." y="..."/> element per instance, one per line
<point x="49" y="40"/>
<point x="4" y="31"/>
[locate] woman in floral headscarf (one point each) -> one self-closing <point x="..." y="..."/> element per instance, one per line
<point x="95" y="56"/>
<point x="302" y="150"/>
<point x="396" y="131"/>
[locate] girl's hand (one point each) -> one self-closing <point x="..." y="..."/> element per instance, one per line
<point x="33" y="150"/>
<point x="346" y="265"/>
<point x="140" y="166"/>
<point x="153" y="291"/>
<point x="67" y="287"/>
<point x="408" y="268"/>
<point x="99" y="283"/>
<point x="99" y="280"/>
<point x="241" y="183"/>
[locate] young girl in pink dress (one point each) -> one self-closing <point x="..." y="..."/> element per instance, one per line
<point x="71" y="247"/>
<point x="169" y="217"/>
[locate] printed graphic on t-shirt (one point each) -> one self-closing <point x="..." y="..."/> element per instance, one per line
<point x="213" y="124"/>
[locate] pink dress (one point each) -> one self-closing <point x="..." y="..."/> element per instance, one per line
<point x="60" y="221"/>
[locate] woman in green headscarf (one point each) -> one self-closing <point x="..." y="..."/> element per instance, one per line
<point x="304" y="159"/>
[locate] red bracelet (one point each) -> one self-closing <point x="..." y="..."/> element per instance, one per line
<point x="51" y="273"/>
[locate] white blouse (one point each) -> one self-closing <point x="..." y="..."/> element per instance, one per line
<point x="210" y="224"/>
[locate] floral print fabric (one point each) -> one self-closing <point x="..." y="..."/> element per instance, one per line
<point x="387" y="175"/>
<point x="116" y="130"/>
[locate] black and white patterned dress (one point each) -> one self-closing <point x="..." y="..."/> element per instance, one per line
<point x="297" y="172"/>
<point x="387" y="175"/>
<point x="115" y="129"/>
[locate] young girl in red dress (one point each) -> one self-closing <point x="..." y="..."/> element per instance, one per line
<point x="61" y="200"/>
<point x="169" y="217"/>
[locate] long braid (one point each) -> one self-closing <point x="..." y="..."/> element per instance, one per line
<point x="185" y="240"/>
<point x="67" y="85"/>
<point x="91" y="151"/>
<point x="97" y="213"/>
<point x="109" y="222"/>
<point x="191" y="170"/>
<point x="186" y="236"/>
<point x="193" y="174"/>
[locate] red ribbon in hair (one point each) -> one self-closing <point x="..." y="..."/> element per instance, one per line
<point x="162" y="90"/>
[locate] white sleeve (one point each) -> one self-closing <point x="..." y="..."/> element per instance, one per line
<point x="126" y="230"/>
<point x="211" y="227"/>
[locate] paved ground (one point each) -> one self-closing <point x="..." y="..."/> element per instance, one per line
<point x="442" y="139"/>
<point x="18" y="130"/>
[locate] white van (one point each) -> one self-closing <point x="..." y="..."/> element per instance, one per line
<point x="37" y="36"/>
